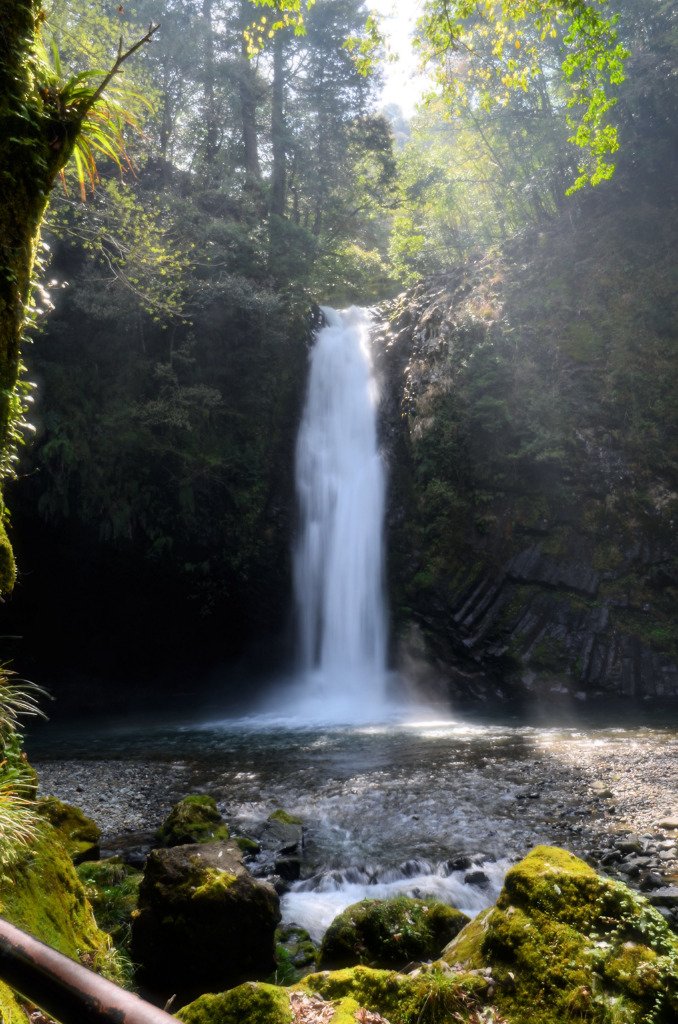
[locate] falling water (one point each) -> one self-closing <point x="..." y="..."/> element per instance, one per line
<point x="339" y="555"/>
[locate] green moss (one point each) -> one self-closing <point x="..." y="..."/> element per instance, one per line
<point x="251" y="1003"/>
<point x="195" y="819"/>
<point x="287" y="819"/>
<point x="11" y="1011"/>
<point x="43" y="895"/>
<point x="430" y="997"/>
<point x="7" y="563"/>
<point x="215" y="885"/>
<point x="79" y="834"/>
<point x="563" y="941"/>
<point x="389" y="933"/>
<point x="112" y="888"/>
<point x="296" y="954"/>
<point x="246" y="845"/>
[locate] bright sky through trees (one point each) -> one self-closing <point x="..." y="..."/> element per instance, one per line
<point x="402" y="83"/>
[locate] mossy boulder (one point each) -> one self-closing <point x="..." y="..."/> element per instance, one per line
<point x="433" y="995"/>
<point x="203" y="923"/>
<point x="79" y="834"/>
<point x="389" y="933"/>
<point x="195" y="819"/>
<point x="251" y="1003"/>
<point x="42" y="894"/>
<point x="401" y="999"/>
<point x="564" y="943"/>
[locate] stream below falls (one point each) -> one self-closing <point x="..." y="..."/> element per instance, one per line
<point x="425" y="808"/>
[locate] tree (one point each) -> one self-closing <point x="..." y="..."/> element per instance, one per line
<point x="43" y="121"/>
<point x="498" y="38"/>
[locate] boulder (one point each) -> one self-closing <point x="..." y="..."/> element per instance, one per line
<point x="389" y="933"/>
<point x="203" y="923"/>
<point x="41" y="893"/>
<point x="195" y="819"/>
<point x="562" y="943"/>
<point x="79" y="834"/>
<point x="279" y="839"/>
<point x="245" y="1004"/>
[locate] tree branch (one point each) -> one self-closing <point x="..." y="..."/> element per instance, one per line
<point x="119" y="61"/>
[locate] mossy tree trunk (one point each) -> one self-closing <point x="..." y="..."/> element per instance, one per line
<point x="35" y="144"/>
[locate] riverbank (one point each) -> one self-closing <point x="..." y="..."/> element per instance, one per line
<point x="384" y="798"/>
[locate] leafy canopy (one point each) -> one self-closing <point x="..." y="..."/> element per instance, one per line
<point x="495" y="41"/>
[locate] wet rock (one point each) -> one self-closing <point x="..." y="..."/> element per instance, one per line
<point x="632" y="844"/>
<point x="389" y="933"/>
<point x="459" y="863"/>
<point x="668" y="823"/>
<point x="203" y="922"/>
<point x="195" y="819"/>
<point x="278" y="837"/>
<point x="476" y="878"/>
<point x="288" y="868"/>
<point x="652" y="880"/>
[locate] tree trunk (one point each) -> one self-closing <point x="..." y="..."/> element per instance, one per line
<point x="248" y="103"/>
<point x="278" y="142"/>
<point x="211" y="145"/>
<point x="36" y="142"/>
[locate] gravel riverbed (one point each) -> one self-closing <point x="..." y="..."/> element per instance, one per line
<point x="579" y="791"/>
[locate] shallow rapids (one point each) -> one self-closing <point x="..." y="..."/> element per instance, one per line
<point x="395" y="808"/>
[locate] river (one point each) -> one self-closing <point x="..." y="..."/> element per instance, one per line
<point x="410" y="807"/>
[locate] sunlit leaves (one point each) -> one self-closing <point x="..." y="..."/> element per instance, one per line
<point x="132" y="242"/>
<point x="286" y="14"/>
<point x="365" y="49"/>
<point x="481" y="50"/>
<point x="85" y="119"/>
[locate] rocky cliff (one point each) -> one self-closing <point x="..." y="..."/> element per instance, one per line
<point x="531" y="429"/>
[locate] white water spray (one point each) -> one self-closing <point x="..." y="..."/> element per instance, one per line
<point x="338" y="564"/>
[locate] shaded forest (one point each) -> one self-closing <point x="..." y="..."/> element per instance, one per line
<point x="153" y="513"/>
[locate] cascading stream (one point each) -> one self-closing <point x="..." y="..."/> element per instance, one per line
<point x="338" y="562"/>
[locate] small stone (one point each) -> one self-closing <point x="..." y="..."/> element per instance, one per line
<point x="652" y="880"/>
<point x="631" y="844"/>
<point x="665" y="897"/>
<point x="668" y="823"/>
<point x="475" y="878"/>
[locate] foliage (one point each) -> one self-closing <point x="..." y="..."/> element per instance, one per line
<point x="500" y="45"/>
<point x="19" y="821"/>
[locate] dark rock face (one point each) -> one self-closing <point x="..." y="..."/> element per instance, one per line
<point x="531" y="538"/>
<point x="204" y="924"/>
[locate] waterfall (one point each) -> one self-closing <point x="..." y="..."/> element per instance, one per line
<point x="338" y="563"/>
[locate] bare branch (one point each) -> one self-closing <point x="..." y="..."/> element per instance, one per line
<point x="119" y="61"/>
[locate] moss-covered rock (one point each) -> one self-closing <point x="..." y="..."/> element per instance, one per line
<point x="251" y="1003"/>
<point x="389" y="933"/>
<point x="203" y="923"/>
<point x="79" y="834"/>
<point x="296" y="954"/>
<point x="433" y="995"/>
<point x="248" y="846"/>
<point x="195" y="819"/>
<point x="42" y="894"/>
<point x="564" y="943"/>
<point x="287" y="819"/>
